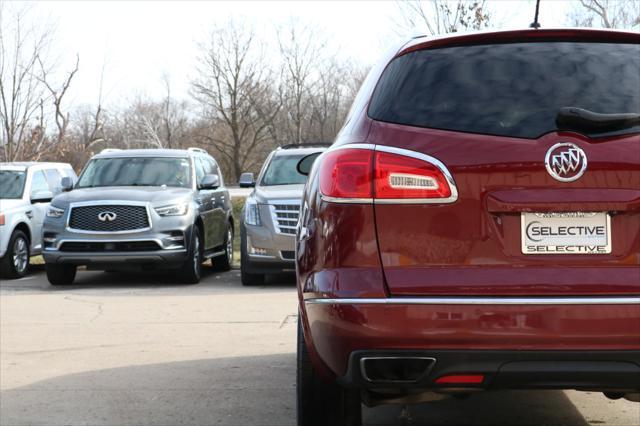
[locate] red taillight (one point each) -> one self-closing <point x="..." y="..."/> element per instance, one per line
<point x="347" y="173"/>
<point x="461" y="379"/>
<point x="400" y="176"/>
<point x="366" y="174"/>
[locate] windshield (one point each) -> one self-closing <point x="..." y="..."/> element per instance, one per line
<point x="12" y="184"/>
<point x="512" y="89"/>
<point x="141" y="171"/>
<point x="282" y="170"/>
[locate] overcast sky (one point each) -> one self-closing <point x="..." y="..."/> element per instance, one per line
<point x="138" y="42"/>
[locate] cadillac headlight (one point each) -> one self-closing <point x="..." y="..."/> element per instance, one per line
<point x="54" y="212"/>
<point x="252" y="213"/>
<point x="173" y="210"/>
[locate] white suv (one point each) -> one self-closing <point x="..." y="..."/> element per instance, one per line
<point x="25" y="192"/>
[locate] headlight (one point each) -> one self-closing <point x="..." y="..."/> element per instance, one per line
<point x="173" y="210"/>
<point x="54" y="212"/>
<point x="251" y="213"/>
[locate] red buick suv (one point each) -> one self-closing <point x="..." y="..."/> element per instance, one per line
<point x="475" y="226"/>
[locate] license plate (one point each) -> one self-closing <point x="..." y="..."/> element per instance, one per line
<point x="566" y="233"/>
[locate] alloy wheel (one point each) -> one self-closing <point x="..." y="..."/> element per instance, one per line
<point x="20" y="255"/>
<point x="230" y="245"/>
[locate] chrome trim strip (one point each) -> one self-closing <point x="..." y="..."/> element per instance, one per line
<point x="346" y="200"/>
<point x="630" y="300"/>
<point x="109" y="203"/>
<point x="407" y="153"/>
<point x="368" y="146"/>
<point x="261" y="256"/>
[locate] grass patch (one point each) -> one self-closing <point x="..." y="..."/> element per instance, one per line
<point x="238" y="204"/>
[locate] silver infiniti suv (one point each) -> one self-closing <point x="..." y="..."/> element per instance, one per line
<point x="270" y="214"/>
<point x="148" y="208"/>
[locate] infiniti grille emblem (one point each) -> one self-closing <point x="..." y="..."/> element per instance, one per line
<point x="566" y="162"/>
<point x="107" y="216"/>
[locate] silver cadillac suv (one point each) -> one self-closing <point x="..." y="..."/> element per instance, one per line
<point x="270" y="214"/>
<point x="149" y="209"/>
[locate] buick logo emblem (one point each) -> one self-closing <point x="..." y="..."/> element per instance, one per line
<point x="107" y="216"/>
<point x="565" y="162"/>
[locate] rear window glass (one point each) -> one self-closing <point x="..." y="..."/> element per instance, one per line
<point x="282" y="170"/>
<point x="508" y="89"/>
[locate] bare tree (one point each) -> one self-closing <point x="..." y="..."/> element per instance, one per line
<point x="622" y="14"/>
<point x="57" y="96"/>
<point x="443" y="16"/>
<point x="174" y="118"/>
<point x="21" y="94"/>
<point x="232" y="79"/>
<point x="25" y="88"/>
<point x="301" y="50"/>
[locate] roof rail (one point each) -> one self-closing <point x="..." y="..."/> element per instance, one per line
<point x="110" y="150"/>
<point x="200" y="150"/>
<point x="305" y="145"/>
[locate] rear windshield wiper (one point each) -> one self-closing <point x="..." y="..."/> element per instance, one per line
<point x="572" y="118"/>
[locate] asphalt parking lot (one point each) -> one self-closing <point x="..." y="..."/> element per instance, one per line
<point x="139" y="349"/>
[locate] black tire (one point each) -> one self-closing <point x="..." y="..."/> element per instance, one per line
<point x="224" y="262"/>
<point x="320" y="403"/>
<point x="60" y="274"/>
<point x="246" y="277"/>
<point x="15" y="263"/>
<point x="191" y="270"/>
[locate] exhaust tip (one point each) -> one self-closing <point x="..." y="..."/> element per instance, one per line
<point x="395" y="370"/>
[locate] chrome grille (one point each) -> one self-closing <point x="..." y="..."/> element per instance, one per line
<point x="285" y="217"/>
<point x="127" y="218"/>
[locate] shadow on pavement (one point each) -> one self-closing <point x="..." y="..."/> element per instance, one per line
<point x="517" y="408"/>
<point x="242" y="391"/>
<point x="154" y="279"/>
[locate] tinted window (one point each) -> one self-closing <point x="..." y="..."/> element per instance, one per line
<point x="39" y="183"/>
<point x="508" y="89"/>
<point x="11" y="184"/>
<point x="141" y="171"/>
<point x="282" y="170"/>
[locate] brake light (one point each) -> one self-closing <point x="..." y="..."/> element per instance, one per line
<point x="384" y="175"/>
<point x="347" y="173"/>
<point x="458" y="379"/>
<point x="1" y="219"/>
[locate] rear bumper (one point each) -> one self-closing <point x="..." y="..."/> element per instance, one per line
<point x="111" y="260"/>
<point x="581" y="370"/>
<point x="575" y="332"/>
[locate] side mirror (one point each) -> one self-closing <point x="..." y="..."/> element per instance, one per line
<point x="305" y="164"/>
<point x="66" y="183"/>
<point x="210" y="182"/>
<point x="41" y="197"/>
<point x="247" y="180"/>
